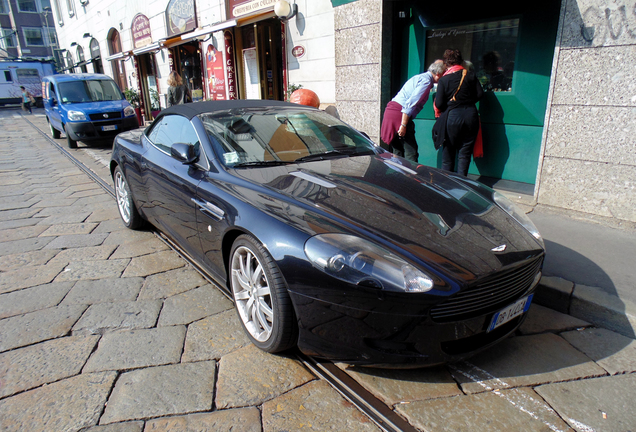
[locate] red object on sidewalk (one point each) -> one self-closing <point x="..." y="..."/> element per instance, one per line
<point x="478" y="150"/>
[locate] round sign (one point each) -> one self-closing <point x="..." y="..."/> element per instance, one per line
<point x="298" y="51"/>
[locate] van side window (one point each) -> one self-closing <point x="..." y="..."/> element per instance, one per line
<point x="7" y="76"/>
<point x="52" y="91"/>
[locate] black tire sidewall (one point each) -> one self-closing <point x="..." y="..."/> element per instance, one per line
<point x="134" y="220"/>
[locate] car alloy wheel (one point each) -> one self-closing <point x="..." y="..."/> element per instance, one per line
<point x="260" y="296"/>
<point x="125" y="204"/>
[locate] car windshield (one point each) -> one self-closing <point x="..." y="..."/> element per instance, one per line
<point x="258" y="137"/>
<point x="89" y="91"/>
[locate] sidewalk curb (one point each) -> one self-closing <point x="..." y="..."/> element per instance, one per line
<point x="591" y="304"/>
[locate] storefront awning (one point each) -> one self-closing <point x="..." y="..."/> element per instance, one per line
<point x="207" y="30"/>
<point x="119" y="56"/>
<point x="148" y="48"/>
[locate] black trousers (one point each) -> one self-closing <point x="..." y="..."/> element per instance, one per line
<point x="462" y="128"/>
<point x="406" y="146"/>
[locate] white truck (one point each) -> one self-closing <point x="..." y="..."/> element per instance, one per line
<point x="15" y="73"/>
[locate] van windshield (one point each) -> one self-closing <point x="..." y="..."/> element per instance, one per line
<point x="89" y="91"/>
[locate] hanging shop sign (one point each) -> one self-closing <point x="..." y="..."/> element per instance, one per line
<point x="243" y="8"/>
<point x="215" y="73"/>
<point x="298" y="51"/>
<point x="180" y="17"/>
<point x="141" y="31"/>
<point x="230" y="69"/>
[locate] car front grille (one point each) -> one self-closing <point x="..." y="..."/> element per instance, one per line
<point x="100" y="116"/>
<point x="488" y="294"/>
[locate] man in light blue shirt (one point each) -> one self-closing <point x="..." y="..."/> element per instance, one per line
<point x="398" y="130"/>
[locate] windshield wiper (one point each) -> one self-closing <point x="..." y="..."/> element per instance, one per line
<point x="261" y="163"/>
<point x="333" y="153"/>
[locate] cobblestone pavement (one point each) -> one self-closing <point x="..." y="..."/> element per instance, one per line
<point x="106" y="329"/>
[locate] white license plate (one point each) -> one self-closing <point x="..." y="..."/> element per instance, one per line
<point x="108" y="128"/>
<point x="509" y="312"/>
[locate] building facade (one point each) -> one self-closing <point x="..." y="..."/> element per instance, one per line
<point x="27" y="30"/>
<point x="559" y="113"/>
<point x="561" y="128"/>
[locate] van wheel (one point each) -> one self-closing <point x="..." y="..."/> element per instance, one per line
<point x="72" y="144"/>
<point x="54" y="132"/>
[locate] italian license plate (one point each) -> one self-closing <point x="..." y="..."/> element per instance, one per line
<point x="109" y="128"/>
<point x="509" y="312"/>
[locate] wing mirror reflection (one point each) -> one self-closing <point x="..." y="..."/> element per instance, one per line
<point x="184" y="153"/>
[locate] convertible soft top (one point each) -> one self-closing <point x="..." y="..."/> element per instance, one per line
<point x="193" y="109"/>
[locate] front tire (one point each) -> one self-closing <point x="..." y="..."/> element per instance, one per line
<point x="260" y="296"/>
<point x="127" y="210"/>
<point x="72" y="144"/>
<point x="54" y="132"/>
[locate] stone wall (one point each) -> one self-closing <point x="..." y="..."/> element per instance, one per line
<point x="589" y="148"/>
<point x="358" y="35"/>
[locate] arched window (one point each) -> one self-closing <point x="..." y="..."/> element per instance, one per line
<point x="80" y="59"/>
<point x="96" y="56"/>
<point x="70" y="62"/>
<point x="119" y="70"/>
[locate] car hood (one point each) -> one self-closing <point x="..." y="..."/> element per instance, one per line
<point x="98" y="107"/>
<point x="429" y="215"/>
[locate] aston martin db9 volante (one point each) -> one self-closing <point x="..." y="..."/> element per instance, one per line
<point x="324" y="240"/>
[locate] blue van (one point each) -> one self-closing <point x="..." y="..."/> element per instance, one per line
<point x="86" y="107"/>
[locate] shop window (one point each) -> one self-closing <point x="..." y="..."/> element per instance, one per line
<point x="33" y="36"/>
<point x="491" y="47"/>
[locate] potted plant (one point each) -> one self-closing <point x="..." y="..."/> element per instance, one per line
<point x="132" y="96"/>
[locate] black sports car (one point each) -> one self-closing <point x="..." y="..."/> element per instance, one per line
<point x="326" y="241"/>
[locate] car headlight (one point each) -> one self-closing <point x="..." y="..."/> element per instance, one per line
<point x="76" y="116"/>
<point x="129" y="111"/>
<point x="514" y="211"/>
<point x="360" y="262"/>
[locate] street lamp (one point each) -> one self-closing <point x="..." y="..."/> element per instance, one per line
<point x="46" y="10"/>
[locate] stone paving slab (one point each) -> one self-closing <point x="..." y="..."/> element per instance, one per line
<point x="542" y="319"/>
<point x="121" y="237"/>
<point x="193" y="305"/>
<point x="104" y="214"/>
<point x="394" y="386"/>
<point x="90" y="253"/>
<point x="26" y="245"/>
<point x="33" y="258"/>
<point x="22" y="233"/>
<point x="213" y="337"/>
<point x="29" y="276"/>
<point x="599" y="404"/>
<point x="524" y="361"/>
<point x="131" y="250"/>
<point x="9" y="215"/>
<point x="314" y="406"/>
<point x="66" y="405"/>
<point x="507" y="410"/>
<point x="26" y="368"/>
<point x="160" y="391"/>
<point x="33" y="299"/>
<point x="92" y="270"/>
<point x="137" y="349"/>
<point x="154" y="263"/>
<point x="108" y="225"/>
<point x="134" y="426"/>
<point x="102" y="317"/>
<point x="17" y="223"/>
<point x="77" y="241"/>
<point x="38" y="326"/>
<point x="67" y="218"/>
<point x="250" y="376"/>
<point x="104" y="290"/>
<point x="69" y="229"/>
<point x="239" y="419"/>
<point x="171" y="283"/>
<point x="612" y="351"/>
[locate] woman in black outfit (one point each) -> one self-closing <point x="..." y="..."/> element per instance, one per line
<point x="458" y="110"/>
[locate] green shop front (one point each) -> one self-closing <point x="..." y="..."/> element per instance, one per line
<point x="511" y="47"/>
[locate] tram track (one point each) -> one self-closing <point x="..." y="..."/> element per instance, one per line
<point x="377" y="411"/>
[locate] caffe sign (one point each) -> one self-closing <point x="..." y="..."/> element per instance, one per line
<point x="242" y="8"/>
<point x="180" y="17"/>
<point x="141" y="31"/>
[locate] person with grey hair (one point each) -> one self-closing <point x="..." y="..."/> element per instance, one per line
<point x="398" y="130"/>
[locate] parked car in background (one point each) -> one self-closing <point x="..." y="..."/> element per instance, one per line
<point x="324" y="240"/>
<point x="15" y="73"/>
<point x="86" y="107"/>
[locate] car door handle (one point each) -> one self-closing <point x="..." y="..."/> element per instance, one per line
<point x="209" y="209"/>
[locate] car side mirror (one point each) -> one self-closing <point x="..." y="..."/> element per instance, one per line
<point x="184" y="153"/>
